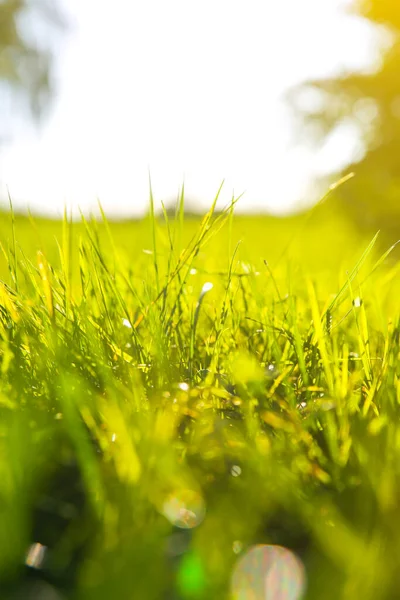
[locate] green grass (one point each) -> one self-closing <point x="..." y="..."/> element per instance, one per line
<point x="272" y="395"/>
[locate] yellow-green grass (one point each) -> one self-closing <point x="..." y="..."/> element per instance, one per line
<point x="272" y="395"/>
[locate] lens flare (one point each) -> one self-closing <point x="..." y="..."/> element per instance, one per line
<point x="268" y="573"/>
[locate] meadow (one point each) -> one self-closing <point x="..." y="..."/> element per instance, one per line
<point x="175" y="392"/>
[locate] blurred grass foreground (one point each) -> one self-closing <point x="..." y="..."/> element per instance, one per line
<point x="198" y="409"/>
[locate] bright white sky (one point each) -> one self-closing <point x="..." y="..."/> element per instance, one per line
<point x="190" y="90"/>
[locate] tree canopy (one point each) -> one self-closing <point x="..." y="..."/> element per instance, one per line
<point x="371" y="102"/>
<point x="26" y="56"/>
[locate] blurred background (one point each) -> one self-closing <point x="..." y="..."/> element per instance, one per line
<point x="279" y="100"/>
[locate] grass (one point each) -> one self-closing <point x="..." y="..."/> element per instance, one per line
<point x="244" y="368"/>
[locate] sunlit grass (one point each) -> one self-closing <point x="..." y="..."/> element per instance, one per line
<point x="174" y="393"/>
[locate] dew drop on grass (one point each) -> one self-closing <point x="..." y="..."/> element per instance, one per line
<point x="266" y="572"/>
<point x="357" y="302"/>
<point x="184" y="509"/>
<point x="183" y="386"/>
<point x="246" y="267"/>
<point x="206" y="288"/>
<point x="126" y="323"/>
<point x="272" y="371"/>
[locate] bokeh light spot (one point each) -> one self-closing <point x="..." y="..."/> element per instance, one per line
<point x="191" y="579"/>
<point x="184" y="509"/>
<point x="236" y="471"/>
<point x="38" y="590"/>
<point x="267" y="572"/>
<point x="35" y="556"/>
<point x="178" y="543"/>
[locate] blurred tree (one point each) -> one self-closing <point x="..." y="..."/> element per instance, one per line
<point x="26" y="28"/>
<point x="371" y="102"/>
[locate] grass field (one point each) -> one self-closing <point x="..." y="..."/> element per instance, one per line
<point x="175" y="392"/>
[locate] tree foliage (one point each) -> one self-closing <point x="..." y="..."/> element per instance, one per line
<point x="371" y="102"/>
<point x="26" y="56"/>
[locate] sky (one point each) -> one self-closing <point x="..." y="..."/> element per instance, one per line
<point x="184" y="91"/>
